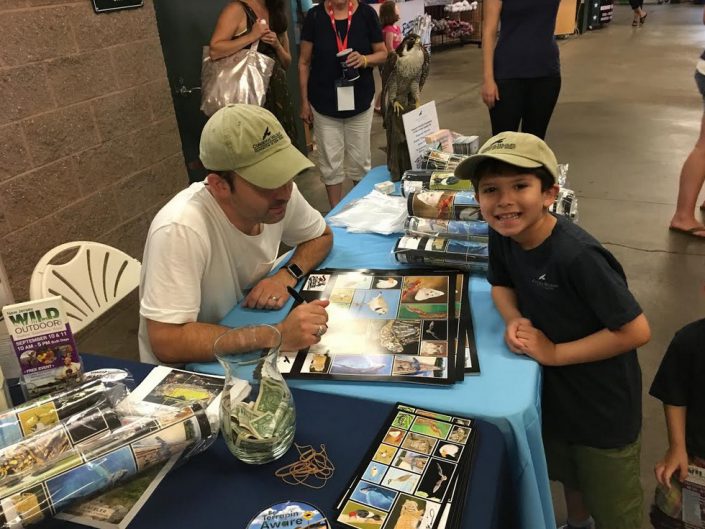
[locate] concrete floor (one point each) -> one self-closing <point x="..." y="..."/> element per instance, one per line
<point x="627" y="117"/>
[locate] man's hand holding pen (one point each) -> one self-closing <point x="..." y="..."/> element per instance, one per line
<point x="305" y="324"/>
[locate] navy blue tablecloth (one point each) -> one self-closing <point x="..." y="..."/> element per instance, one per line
<point x="213" y="489"/>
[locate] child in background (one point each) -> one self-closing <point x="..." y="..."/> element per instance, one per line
<point x="565" y="302"/>
<point x="388" y="16"/>
<point x="678" y="384"/>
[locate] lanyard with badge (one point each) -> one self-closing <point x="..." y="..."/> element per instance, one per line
<point x="344" y="86"/>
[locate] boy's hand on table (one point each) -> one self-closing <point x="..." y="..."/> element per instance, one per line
<point x="675" y="460"/>
<point x="534" y="343"/>
<point x="510" y="335"/>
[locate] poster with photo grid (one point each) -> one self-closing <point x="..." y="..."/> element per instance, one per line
<point x="465" y="335"/>
<point x="384" y="325"/>
<point x="414" y="474"/>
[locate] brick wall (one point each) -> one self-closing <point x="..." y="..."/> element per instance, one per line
<point x="89" y="148"/>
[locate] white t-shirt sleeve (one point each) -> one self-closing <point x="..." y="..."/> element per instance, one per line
<point x="175" y="262"/>
<point x="302" y="222"/>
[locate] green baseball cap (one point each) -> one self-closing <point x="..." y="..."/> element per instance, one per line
<point x="249" y="140"/>
<point x="515" y="148"/>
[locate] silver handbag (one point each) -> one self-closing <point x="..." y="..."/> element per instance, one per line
<point x="242" y="77"/>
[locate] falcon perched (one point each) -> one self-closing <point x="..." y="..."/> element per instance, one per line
<point x="404" y="75"/>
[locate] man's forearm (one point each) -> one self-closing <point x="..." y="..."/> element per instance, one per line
<point x="310" y="253"/>
<point x="307" y="256"/>
<point x="193" y="341"/>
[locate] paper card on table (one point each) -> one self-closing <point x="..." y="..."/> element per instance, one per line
<point x="418" y="124"/>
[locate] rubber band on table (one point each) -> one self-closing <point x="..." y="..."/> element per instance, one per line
<point x="310" y="465"/>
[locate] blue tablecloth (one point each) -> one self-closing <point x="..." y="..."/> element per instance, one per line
<point x="215" y="490"/>
<point x="506" y="393"/>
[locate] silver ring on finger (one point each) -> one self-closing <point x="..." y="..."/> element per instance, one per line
<point x="274" y="298"/>
<point x="321" y="330"/>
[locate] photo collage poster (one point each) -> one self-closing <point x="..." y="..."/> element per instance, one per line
<point x="413" y="474"/>
<point x="383" y="325"/>
<point x="465" y="335"/>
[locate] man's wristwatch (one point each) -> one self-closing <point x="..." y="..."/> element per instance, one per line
<point x="295" y="271"/>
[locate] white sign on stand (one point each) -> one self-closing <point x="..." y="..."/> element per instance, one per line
<point x="418" y="124"/>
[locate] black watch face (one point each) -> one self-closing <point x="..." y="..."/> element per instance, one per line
<point x="295" y="271"/>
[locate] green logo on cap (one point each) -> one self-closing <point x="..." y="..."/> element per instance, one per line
<point x="499" y="144"/>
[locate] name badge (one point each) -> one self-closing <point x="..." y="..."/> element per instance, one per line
<point x="346" y="96"/>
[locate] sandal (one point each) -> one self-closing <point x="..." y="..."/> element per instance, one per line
<point x="635" y="23"/>
<point x="698" y="231"/>
<point x="641" y="19"/>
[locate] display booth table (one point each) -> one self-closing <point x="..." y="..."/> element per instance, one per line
<point x="507" y="393"/>
<point x="213" y="489"/>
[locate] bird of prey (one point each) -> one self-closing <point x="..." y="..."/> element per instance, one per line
<point x="403" y="77"/>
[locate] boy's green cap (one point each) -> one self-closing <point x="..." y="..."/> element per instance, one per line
<point x="516" y="148"/>
<point x="249" y="140"/>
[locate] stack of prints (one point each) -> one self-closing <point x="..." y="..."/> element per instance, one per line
<point x="19" y="459"/>
<point x="42" y="413"/>
<point x="164" y="391"/>
<point x="66" y="446"/>
<point x="694" y="498"/>
<point x="431" y="180"/>
<point x="435" y="159"/>
<point x="415" y="474"/>
<point x="98" y="465"/>
<point x="388" y="325"/>
<point x="445" y="228"/>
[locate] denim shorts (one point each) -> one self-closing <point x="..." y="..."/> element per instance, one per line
<point x="700" y="81"/>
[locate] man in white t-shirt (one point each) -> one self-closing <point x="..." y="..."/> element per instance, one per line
<point x="219" y="238"/>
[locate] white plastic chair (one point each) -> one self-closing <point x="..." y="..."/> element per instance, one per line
<point x="91" y="282"/>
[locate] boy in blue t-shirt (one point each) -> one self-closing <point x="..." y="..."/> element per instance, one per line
<point x="565" y="303"/>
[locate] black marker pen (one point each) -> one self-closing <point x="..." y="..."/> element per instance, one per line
<point x="298" y="300"/>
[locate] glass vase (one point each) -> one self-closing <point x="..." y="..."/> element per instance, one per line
<point x="257" y="413"/>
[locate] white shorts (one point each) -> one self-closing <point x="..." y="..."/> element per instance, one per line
<point x="343" y="146"/>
